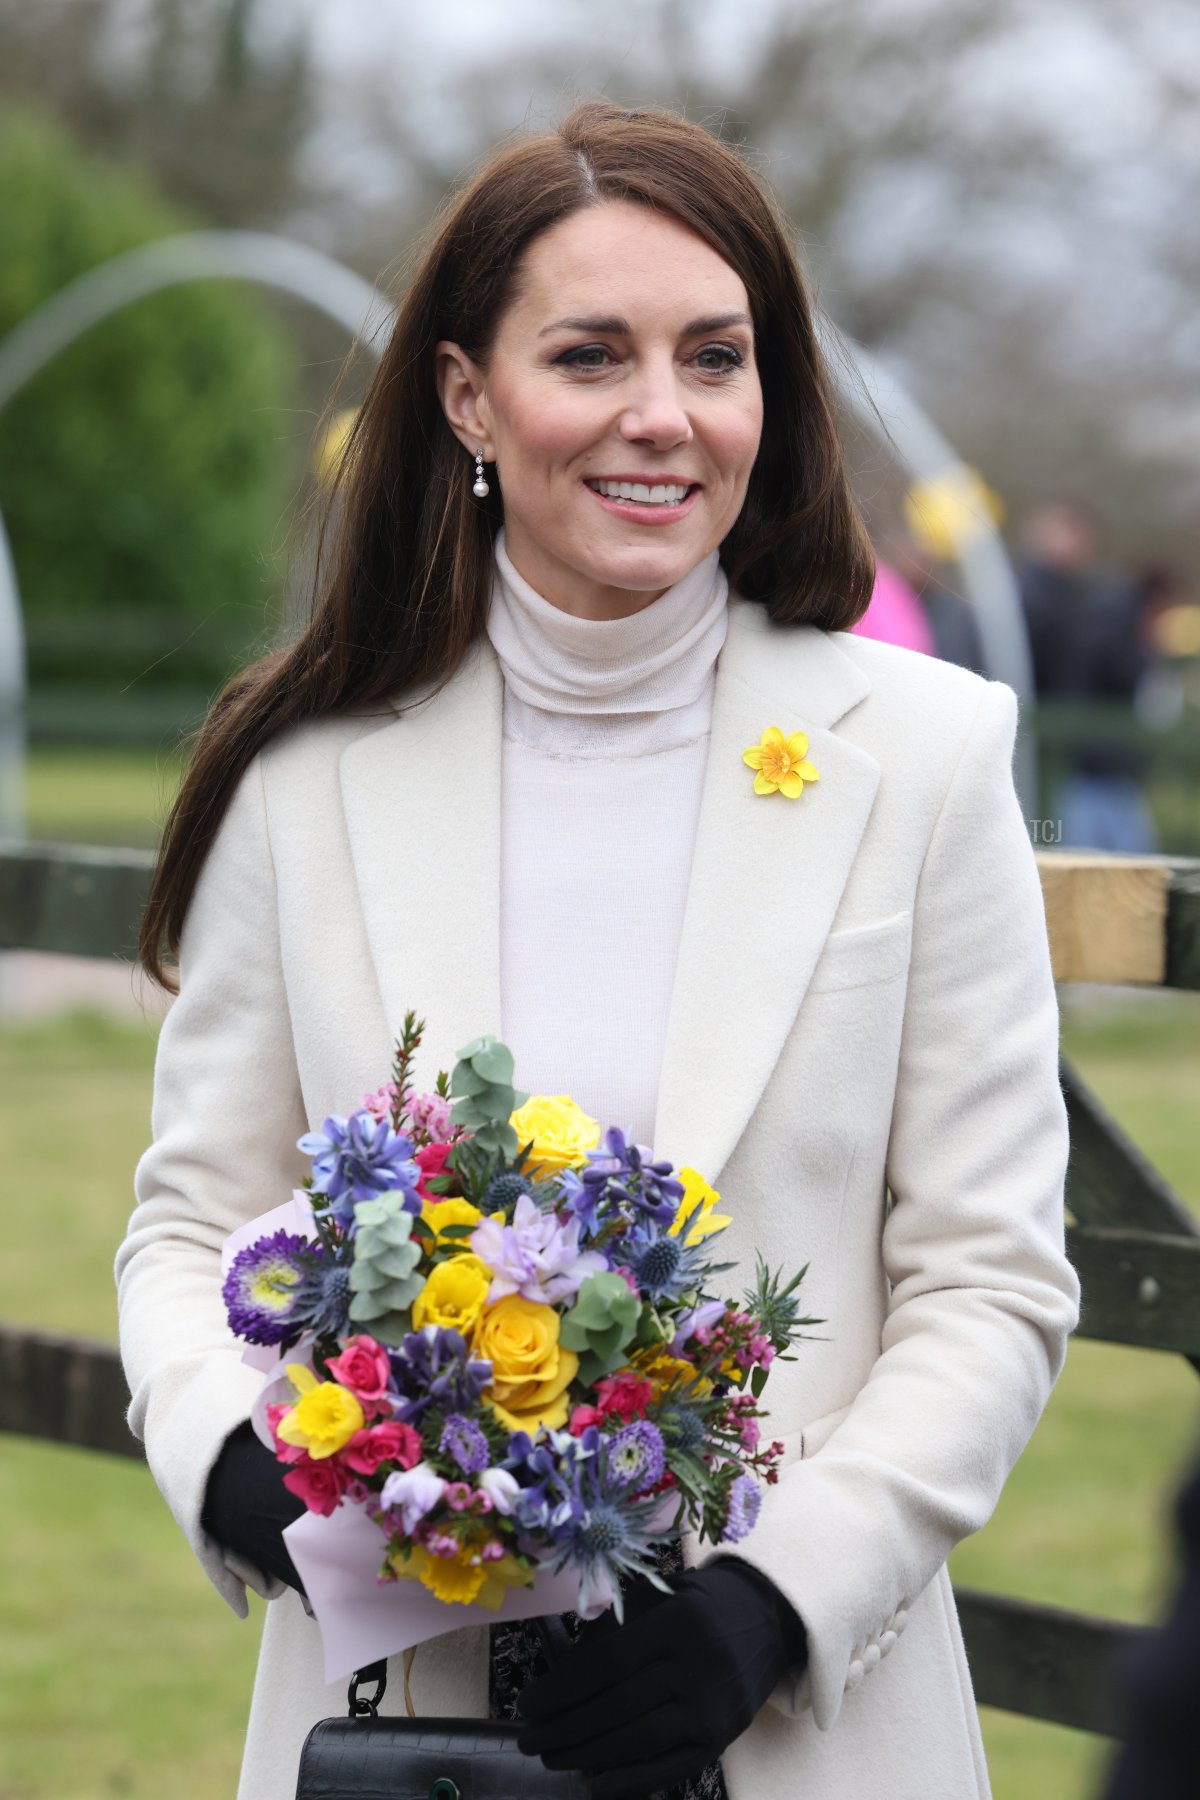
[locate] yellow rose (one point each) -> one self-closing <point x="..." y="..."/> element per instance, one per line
<point x="324" y="1418"/>
<point x="454" y="1294"/>
<point x="562" y="1133"/>
<point x="531" y="1371"/>
<point x="437" y="1214"/>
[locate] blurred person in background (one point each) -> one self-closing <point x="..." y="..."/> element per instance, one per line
<point x="1087" y="646"/>
<point x="895" y="614"/>
<point x="949" y="616"/>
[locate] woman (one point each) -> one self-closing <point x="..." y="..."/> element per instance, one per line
<point x="501" y="780"/>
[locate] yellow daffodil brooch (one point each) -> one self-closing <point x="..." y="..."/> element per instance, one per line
<point x="781" y="763"/>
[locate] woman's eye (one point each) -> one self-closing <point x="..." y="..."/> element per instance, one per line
<point x="724" y="357"/>
<point x="585" y="357"/>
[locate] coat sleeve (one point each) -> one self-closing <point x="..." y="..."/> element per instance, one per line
<point x="982" y="1298"/>
<point x="225" y="1117"/>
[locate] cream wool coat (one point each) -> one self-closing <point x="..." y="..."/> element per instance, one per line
<point x="863" y="1003"/>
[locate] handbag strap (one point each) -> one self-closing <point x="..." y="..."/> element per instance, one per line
<point x="556" y="1640"/>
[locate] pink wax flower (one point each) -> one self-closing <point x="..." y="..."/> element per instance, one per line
<point x="319" y="1484"/>
<point x="629" y="1278"/>
<point x="627" y="1395"/>
<point x="288" y="1453"/>
<point x="430" y="1114"/>
<point x="431" y="1160"/>
<point x="393" y="1441"/>
<point x="379" y="1104"/>
<point x="582" y="1417"/>
<point x="363" y="1367"/>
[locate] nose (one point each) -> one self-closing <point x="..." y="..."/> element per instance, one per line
<point x="656" y="415"/>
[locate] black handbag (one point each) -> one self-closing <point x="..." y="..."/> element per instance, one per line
<point x="366" y="1757"/>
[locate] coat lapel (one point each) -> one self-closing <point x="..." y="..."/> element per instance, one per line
<point x="767" y="876"/>
<point x="422" y="802"/>
<point x="421" y="797"/>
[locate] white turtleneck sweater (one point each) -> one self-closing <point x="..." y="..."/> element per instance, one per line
<point x="606" y="728"/>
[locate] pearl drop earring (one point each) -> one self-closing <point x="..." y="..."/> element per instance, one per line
<point x="481" y="490"/>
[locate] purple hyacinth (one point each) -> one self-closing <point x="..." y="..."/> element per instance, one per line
<point x="264" y="1286"/>
<point x="635" y="1455"/>
<point x="622" y="1178"/>
<point x="463" y="1440"/>
<point x="433" y="1366"/>
<point x="358" y="1158"/>
<point x="745" y="1501"/>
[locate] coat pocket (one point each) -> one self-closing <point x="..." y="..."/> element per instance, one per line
<point x="863" y="954"/>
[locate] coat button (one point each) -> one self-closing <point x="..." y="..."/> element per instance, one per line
<point x="887" y="1639"/>
<point x="900" y="1621"/>
<point x="855" y="1673"/>
<point x="871" y="1656"/>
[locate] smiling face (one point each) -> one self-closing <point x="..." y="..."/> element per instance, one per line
<point x="628" y="357"/>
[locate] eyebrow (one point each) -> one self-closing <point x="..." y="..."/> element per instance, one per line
<point x="618" y="327"/>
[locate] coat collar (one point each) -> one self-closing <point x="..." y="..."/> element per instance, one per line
<point x="422" y="804"/>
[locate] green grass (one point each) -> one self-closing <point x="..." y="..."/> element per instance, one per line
<point x="102" y="796"/>
<point x="90" y="1560"/>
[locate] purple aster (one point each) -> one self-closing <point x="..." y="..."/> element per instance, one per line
<point x="265" y="1282"/>
<point x="434" y="1367"/>
<point x="357" y="1159"/>
<point x="463" y="1440"/>
<point x="745" y="1500"/>
<point x="635" y="1455"/>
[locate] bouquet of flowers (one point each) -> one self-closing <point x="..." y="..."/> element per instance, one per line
<point x="496" y="1337"/>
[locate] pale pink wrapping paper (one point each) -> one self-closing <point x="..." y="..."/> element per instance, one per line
<point x="338" y="1558"/>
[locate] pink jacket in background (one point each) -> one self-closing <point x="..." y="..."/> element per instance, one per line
<point x="895" y="615"/>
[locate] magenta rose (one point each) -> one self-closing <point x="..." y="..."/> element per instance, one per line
<point x="431" y="1160"/>
<point x="627" y="1395"/>
<point x="319" y="1484"/>
<point x="287" y="1453"/>
<point x="582" y="1417"/>
<point x="393" y="1441"/>
<point x="363" y="1367"/>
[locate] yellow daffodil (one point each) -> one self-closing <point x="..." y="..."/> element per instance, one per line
<point x="667" y="1371"/>
<point x="456" y="1578"/>
<point x="324" y="1418"/>
<point x="696" y="1210"/>
<point x="781" y="763"/>
<point x="454" y="1294"/>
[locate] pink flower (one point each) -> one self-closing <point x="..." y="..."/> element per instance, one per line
<point x="287" y="1453"/>
<point x="363" y="1367"/>
<point x="627" y="1395"/>
<point x="393" y="1441"/>
<point x="582" y="1417"/>
<point x="431" y="1114"/>
<point x="431" y="1160"/>
<point x="379" y="1104"/>
<point x="319" y="1484"/>
<point x="458" y="1495"/>
<point x="629" y="1278"/>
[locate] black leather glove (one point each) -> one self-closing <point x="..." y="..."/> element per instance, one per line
<point x="246" y="1505"/>
<point x="642" y="1705"/>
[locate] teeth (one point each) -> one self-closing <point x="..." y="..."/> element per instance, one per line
<point x="662" y="494"/>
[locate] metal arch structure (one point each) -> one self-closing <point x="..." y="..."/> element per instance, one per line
<point x="366" y="314"/>
<point x="982" y="564"/>
<point x="272" y="262"/>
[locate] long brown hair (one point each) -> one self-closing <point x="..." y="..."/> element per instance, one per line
<point x="409" y="573"/>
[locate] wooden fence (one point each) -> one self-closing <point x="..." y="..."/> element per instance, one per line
<point x="1135" y="1244"/>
